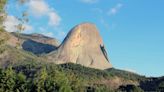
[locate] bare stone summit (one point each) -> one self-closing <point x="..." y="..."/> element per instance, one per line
<point x="83" y="45"/>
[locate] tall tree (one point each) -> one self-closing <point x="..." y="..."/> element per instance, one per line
<point x="2" y="13"/>
<point x="3" y="36"/>
<point x="7" y="80"/>
<point x="40" y="79"/>
<point x="22" y="21"/>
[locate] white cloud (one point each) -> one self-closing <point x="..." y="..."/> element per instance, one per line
<point x="49" y="34"/>
<point x="89" y="1"/>
<point x="11" y="22"/>
<point x="59" y="33"/>
<point x="28" y="28"/>
<point x="40" y="8"/>
<point x="43" y="31"/>
<point x="115" y="9"/>
<point x="54" y="19"/>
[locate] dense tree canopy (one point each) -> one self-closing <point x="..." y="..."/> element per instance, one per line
<point x="35" y="77"/>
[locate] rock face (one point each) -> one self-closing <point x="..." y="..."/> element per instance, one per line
<point x="37" y="43"/>
<point x="38" y="38"/>
<point x="37" y="48"/>
<point x="41" y="39"/>
<point x="83" y="45"/>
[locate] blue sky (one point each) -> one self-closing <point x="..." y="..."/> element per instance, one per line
<point x="132" y="30"/>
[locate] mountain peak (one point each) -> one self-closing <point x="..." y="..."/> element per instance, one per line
<point x="83" y="45"/>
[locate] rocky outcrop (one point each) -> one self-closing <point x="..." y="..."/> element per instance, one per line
<point x="36" y="43"/>
<point x="83" y="45"/>
<point x="40" y="39"/>
<point x="37" y="48"/>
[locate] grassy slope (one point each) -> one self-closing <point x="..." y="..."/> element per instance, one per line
<point x="13" y="55"/>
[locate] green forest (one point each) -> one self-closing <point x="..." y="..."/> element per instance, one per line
<point x="45" y="77"/>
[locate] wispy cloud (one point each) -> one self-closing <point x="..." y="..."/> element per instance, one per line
<point x="100" y="14"/>
<point x="28" y="28"/>
<point x="11" y="22"/>
<point x="104" y="23"/>
<point x="115" y="9"/>
<point x="89" y="1"/>
<point x="49" y="34"/>
<point x="59" y="34"/>
<point x="44" y="31"/>
<point x="40" y="8"/>
<point x="130" y="70"/>
<point x="54" y="19"/>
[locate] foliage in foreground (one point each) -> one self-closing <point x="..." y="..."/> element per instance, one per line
<point x="48" y="77"/>
<point x="38" y="77"/>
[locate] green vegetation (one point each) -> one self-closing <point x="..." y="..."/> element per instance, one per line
<point x="21" y="26"/>
<point x="3" y="38"/>
<point x="126" y="75"/>
<point x="32" y="76"/>
<point x="2" y="12"/>
<point x="130" y="88"/>
<point x="2" y="17"/>
<point x="161" y="86"/>
<point x="84" y="72"/>
<point x="43" y="77"/>
<point x="90" y="73"/>
<point x="13" y="56"/>
<point x="48" y="77"/>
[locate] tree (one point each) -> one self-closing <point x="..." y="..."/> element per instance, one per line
<point x="7" y="80"/>
<point x="21" y="26"/>
<point x="21" y="83"/>
<point x="2" y="13"/>
<point x="60" y="80"/>
<point x="40" y="79"/>
<point x="161" y="87"/>
<point x="130" y="88"/>
<point x="2" y="18"/>
<point x="77" y="83"/>
<point x="22" y="21"/>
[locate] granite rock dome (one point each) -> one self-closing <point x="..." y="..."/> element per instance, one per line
<point x="83" y="45"/>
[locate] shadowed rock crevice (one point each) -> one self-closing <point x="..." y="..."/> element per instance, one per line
<point x="104" y="52"/>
